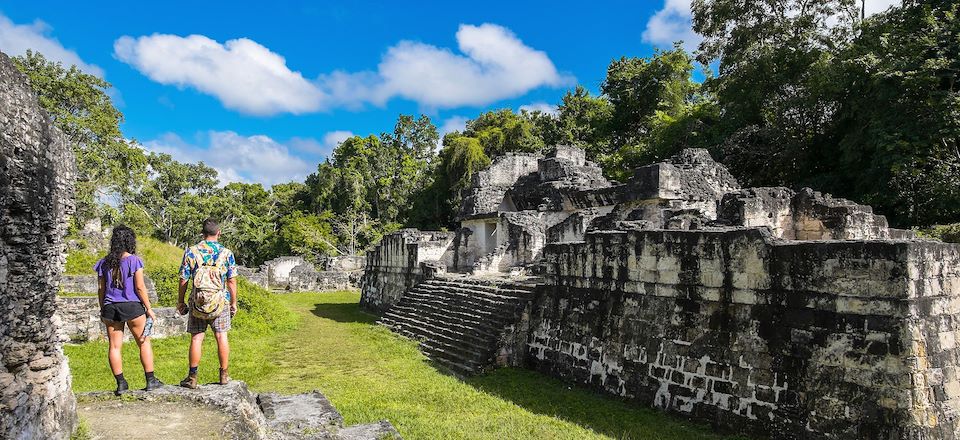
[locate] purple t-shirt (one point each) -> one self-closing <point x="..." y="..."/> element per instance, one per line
<point x="126" y="292"/>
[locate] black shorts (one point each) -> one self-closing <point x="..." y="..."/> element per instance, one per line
<point x="123" y="311"/>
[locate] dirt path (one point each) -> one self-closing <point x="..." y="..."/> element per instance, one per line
<point x="113" y="419"/>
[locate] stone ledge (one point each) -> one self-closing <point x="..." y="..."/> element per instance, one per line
<point x="268" y="416"/>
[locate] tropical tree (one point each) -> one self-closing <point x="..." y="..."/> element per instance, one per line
<point x="78" y="103"/>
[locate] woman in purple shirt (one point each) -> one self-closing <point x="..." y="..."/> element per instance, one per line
<point x="124" y="300"/>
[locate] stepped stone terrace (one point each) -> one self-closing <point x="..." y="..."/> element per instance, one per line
<point x="768" y="311"/>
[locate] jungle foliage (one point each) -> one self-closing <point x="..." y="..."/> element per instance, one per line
<point x="798" y="93"/>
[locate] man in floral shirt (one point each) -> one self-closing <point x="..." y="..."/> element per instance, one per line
<point x="208" y="250"/>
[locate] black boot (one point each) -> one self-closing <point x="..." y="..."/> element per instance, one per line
<point x="121" y="384"/>
<point x="152" y="382"/>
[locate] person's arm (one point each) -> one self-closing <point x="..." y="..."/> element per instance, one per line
<point x="232" y="287"/>
<point x="101" y="289"/>
<point x="141" y="288"/>
<point x="185" y="270"/>
<point x="232" y="282"/>
<point x="181" y="300"/>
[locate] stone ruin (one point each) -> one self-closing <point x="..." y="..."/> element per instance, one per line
<point x="77" y="315"/>
<point x="36" y="195"/>
<point x="295" y="274"/>
<point x="768" y="311"/>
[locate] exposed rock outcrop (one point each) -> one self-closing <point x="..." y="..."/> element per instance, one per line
<point x="262" y="416"/>
<point x="37" y="172"/>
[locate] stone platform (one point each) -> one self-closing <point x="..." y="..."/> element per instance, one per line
<point x="775" y="312"/>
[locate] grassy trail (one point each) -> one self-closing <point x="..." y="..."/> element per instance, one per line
<point x="371" y="374"/>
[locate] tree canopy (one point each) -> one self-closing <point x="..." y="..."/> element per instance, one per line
<point x="799" y="93"/>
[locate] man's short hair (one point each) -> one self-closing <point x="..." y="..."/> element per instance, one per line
<point x="210" y="227"/>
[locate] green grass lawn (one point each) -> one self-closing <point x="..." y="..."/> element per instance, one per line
<point x="371" y="374"/>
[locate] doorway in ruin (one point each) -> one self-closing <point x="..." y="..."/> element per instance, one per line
<point x="489" y="236"/>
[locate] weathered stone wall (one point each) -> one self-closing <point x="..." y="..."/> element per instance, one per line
<point x="89" y="284"/>
<point x="489" y="185"/>
<point x="811" y="340"/>
<point x="36" y="194"/>
<point x="294" y="274"/>
<point x="397" y="264"/>
<point x="803" y="215"/>
<point x="345" y="263"/>
<point x="78" y="320"/>
<point x="278" y="271"/>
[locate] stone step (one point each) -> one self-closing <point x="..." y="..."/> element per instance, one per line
<point x="479" y="308"/>
<point x="453" y="353"/>
<point x="458" y="322"/>
<point x="505" y="292"/>
<point x="482" y="332"/>
<point x="419" y="331"/>
<point x="418" y="322"/>
<point x="452" y="362"/>
<point x="289" y="416"/>
<point x="491" y="323"/>
<point x="477" y="296"/>
<point x="526" y="284"/>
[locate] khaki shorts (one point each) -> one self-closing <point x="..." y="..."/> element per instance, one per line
<point x="220" y="324"/>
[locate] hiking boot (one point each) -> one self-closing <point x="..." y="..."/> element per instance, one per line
<point x="153" y="384"/>
<point x="224" y="376"/>
<point x="122" y="387"/>
<point x="189" y="382"/>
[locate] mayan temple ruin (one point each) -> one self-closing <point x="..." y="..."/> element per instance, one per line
<point x="778" y="313"/>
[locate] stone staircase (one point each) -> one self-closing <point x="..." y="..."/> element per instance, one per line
<point x="461" y="322"/>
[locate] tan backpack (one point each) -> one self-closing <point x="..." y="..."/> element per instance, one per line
<point x="209" y="299"/>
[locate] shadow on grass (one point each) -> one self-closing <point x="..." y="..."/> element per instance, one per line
<point x="603" y="414"/>
<point x="343" y="312"/>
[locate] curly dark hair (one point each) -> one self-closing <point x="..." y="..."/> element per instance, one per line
<point x="123" y="240"/>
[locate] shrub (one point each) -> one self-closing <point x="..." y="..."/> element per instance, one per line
<point x="948" y="233"/>
<point x="260" y="313"/>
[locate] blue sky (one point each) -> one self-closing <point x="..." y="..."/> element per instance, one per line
<point x="264" y="90"/>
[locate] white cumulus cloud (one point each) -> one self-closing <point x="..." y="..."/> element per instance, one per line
<point x="673" y="23"/>
<point x="237" y="158"/>
<point x="670" y="24"/>
<point x="542" y="107"/>
<point x="492" y="64"/>
<point x="450" y="125"/>
<point x="241" y="73"/>
<point x="324" y="146"/>
<point x="16" y="39"/>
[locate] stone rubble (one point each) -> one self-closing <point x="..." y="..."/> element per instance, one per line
<point x="773" y="312"/>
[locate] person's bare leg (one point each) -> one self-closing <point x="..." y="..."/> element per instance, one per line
<point x="196" y="349"/>
<point x="193" y="357"/>
<point x="146" y="350"/>
<point x="115" y="336"/>
<point x="223" y="349"/>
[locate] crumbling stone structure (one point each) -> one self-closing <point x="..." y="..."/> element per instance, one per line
<point x="36" y="194"/>
<point x="295" y="274"/>
<point x="779" y="313"/>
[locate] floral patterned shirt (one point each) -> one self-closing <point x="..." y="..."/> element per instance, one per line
<point x="209" y="251"/>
